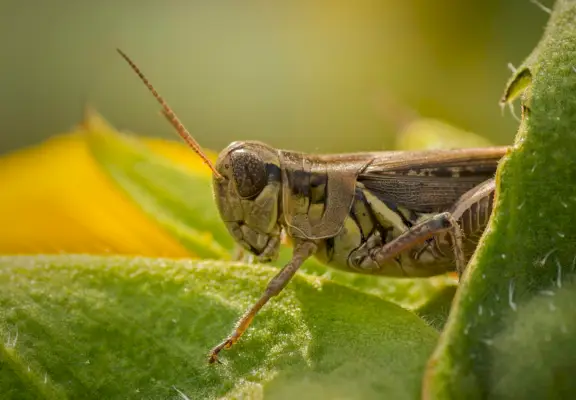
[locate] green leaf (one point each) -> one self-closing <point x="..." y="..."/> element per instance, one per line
<point x="436" y="309"/>
<point x="545" y="325"/>
<point x="122" y="328"/>
<point x="511" y="333"/>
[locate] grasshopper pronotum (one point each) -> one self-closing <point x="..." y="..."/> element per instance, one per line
<point x="393" y="213"/>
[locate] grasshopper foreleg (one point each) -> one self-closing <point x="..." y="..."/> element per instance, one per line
<point x="302" y="251"/>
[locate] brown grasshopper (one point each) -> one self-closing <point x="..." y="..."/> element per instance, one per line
<point x="393" y="213"/>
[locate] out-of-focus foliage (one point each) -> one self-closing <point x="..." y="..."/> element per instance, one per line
<point x="306" y="75"/>
<point x="434" y="134"/>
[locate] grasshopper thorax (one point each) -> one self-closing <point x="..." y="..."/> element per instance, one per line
<point x="247" y="196"/>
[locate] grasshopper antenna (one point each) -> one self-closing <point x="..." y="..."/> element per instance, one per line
<point x="172" y="118"/>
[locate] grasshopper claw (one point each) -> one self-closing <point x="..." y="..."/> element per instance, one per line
<point x="216" y="350"/>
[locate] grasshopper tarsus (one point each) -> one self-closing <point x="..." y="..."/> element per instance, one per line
<point x="213" y="357"/>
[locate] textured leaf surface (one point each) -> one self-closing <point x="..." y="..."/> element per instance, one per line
<point x="511" y="333"/>
<point x="112" y="327"/>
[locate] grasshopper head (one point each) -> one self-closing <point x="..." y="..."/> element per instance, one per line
<point x="246" y="185"/>
<point x="247" y="196"/>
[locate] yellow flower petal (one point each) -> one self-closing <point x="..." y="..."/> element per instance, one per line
<point x="54" y="199"/>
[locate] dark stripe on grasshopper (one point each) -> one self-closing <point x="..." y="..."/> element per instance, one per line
<point x="450" y="172"/>
<point x="329" y="248"/>
<point x="318" y="187"/>
<point x="273" y="172"/>
<point x="360" y="211"/>
<point x="383" y="230"/>
<point x="394" y="208"/>
<point x="312" y="186"/>
<point x="300" y="182"/>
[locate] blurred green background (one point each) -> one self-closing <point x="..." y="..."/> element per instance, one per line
<point x="307" y="75"/>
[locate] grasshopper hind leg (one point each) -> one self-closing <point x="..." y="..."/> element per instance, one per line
<point x="469" y="216"/>
<point x="376" y="256"/>
<point x="362" y="259"/>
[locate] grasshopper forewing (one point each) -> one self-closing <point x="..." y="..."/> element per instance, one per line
<point x="402" y="214"/>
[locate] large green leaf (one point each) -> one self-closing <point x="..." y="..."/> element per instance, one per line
<point x="122" y="328"/>
<point x="511" y="333"/>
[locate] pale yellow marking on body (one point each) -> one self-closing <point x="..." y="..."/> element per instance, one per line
<point x="384" y="214"/>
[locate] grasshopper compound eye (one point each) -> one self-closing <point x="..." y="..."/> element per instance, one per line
<point x="249" y="173"/>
